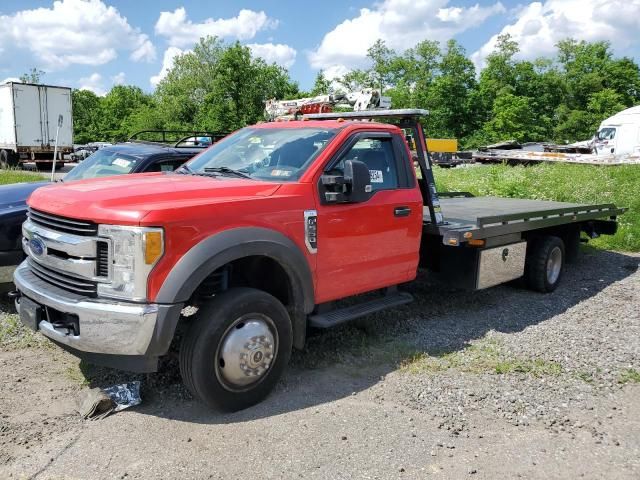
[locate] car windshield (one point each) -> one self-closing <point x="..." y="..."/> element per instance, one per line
<point x="276" y="154"/>
<point x="103" y="163"/>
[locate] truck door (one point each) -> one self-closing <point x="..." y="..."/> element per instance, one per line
<point x="375" y="243"/>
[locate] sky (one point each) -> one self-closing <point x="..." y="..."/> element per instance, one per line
<point x="95" y="44"/>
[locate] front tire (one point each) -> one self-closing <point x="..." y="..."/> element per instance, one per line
<point x="236" y="349"/>
<point x="545" y="264"/>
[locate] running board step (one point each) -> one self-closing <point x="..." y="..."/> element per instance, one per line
<point x="342" y="315"/>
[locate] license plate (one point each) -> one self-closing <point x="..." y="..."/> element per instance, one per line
<point x="30" y="313"/>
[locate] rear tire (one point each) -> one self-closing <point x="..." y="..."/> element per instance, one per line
<point x="544" y="264"/>
<point x="9" y="159"/>
<point x="236" y="349"/>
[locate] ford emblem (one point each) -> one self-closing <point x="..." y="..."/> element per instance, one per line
<point x="37" y="246"/>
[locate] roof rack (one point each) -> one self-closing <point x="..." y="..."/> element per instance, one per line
<point x="177" y="138"/>
<point x="369" y="114"/>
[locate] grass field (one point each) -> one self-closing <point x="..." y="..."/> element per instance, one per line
<point x="561" y="182"/>
<point x="17" y="176"/>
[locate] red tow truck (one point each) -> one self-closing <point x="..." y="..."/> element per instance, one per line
<point x="260" y="235"/>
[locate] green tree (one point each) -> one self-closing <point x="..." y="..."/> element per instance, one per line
<point x="449" y="96"/>
<point x="117" y="105"/>
<point x="34" y="75"/>
<point x="87" y="114"/>
<point x="321" y="85"/>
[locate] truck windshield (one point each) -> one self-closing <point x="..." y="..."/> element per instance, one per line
<point x="103" y="163"/>
<point x="607" y="133"/>
<point x="276" y="154"/>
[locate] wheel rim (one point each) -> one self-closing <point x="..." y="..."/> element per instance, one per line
<point x="554" y="265"/>
<point x="246" y="353"/>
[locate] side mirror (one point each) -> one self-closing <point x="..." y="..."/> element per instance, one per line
<point x="357" y="176"/>
<point x="353" y="186"/>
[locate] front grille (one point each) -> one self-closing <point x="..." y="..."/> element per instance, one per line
<point x="102" y="259"/>
<point x="68" y="282"/>
<point x="62" y="224"/>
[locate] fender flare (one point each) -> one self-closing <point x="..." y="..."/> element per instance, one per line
<point x="219" y="249"/>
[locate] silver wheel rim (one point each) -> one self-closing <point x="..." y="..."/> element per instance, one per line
<point x="554" y="265"/>
<point x="247" y="352"/>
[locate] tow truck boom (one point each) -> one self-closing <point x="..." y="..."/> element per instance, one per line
<point x="366" y="99"/>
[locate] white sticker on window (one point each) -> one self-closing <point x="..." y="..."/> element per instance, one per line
<point x="121" y="162"/>
<point x="281" y="173"/>
<point x="376" y="176"/>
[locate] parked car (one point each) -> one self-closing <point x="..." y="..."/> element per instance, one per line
<point x="82" y="152"/>
<point x="124" y="158"/>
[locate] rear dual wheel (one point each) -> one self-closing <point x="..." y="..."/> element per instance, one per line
<point x="236" y="349"/>
<point x="544" y="264"/>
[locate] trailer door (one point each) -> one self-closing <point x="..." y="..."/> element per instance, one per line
<point x="29" y="121"/>
<point x="58" y="102"/>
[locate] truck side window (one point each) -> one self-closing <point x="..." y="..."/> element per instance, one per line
<point x="377" y="154"/>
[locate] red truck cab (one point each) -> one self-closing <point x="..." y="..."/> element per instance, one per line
<point x="259" y="234"/>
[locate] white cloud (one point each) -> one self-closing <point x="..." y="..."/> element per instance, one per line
<point x="167" y="64"/>
<point x="182" y="32"/>
<point x="401" y="24"/>
<point x="118" y="79"/>
<point x="540" y="25"/>
<point x="86" y="32"/>
<point x="11" y="79"/>
<point x="278" y="53"/>
<point x="93" y="83"/>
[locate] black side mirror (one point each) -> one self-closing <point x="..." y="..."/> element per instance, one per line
<point x="353" y="186"/>
<point x="357" y="176"/>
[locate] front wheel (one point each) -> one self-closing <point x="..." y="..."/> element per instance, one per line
<point x="236" y="349"/>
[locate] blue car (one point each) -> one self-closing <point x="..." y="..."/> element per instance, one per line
<point x="120" y="159"/>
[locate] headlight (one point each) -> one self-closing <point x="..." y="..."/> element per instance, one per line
<point x="134" y="253"/>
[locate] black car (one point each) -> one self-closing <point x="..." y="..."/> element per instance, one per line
<point x="119" y="159"/>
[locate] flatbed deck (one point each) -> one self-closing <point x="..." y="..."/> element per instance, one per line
<point x="484" y="217"/>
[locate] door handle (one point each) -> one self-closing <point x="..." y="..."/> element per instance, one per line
<point x="401" y="211"/>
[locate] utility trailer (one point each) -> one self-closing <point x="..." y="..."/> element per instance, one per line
<point x="29" y="116"/>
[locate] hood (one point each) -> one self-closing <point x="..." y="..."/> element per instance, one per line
<point x="15" y="196"/>
<point x="126" y="199"/>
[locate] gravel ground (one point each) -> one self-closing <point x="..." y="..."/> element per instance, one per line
<point x="503" y="383"/>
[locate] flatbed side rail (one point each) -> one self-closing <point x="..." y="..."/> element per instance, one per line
<point x="593" y="211"/>
<point x="493" y="226"/>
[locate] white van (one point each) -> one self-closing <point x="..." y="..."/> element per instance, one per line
<point x="620" y="134"/>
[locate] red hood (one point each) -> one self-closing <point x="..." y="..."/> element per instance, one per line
<point x="126" y="199"/>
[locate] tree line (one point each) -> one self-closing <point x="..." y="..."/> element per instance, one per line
<point x="221" y="87"/>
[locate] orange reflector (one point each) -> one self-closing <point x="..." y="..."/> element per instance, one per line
<point x="476" y="243"/>
<point x="453" y="241"/>
<point x="152" y="247"/>
<point x="468" y="234"/>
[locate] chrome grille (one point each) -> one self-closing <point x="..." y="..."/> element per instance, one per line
<point x="68" y="282"/>
<point x="62" y="224"/>
<point x="102" y="259"/>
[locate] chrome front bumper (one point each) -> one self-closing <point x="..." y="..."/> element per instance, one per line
<point x="106" y="327"/>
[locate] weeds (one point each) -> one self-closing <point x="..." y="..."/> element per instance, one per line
<point x="630" y="375"/>
<point x="486" y="356"/>
<point x="561" y="182"/>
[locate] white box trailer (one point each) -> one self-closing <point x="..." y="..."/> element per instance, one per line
<point x="29" y="116"/>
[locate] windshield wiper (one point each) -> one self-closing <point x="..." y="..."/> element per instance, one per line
<point x="182" y="169"/>
<point x="227" y="170"/>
